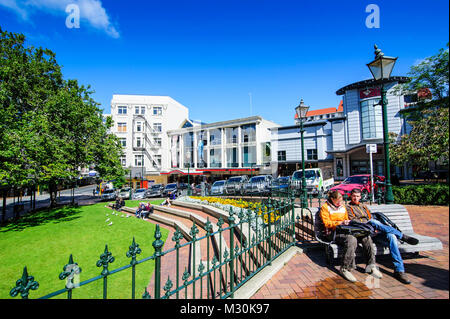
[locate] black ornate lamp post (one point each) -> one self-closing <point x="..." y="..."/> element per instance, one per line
<point x="301" y="111"/>
<point x="188" y="166"/>
<point x="381" y="69"/>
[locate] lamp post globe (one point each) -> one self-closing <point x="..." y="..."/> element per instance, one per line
<point x="301" y="111"/>
<point x="381" y="69"/>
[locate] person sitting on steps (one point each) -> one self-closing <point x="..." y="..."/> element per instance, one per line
<point x="167" y="202"/>
<point x="139" y="210"/>
<point x="385" y="234"/>
<point x="148" y="209"/>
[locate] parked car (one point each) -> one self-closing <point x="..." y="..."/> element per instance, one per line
<point x="109" y="194"/>
<point x="218" y="187"/>
<point x="259" y="185"/>
<point x="125" y="193"/>
<point x="139" y="193"/>
<point x="315" y="181"/>
<point x="281" y="184"/>
<point x="197" y="190"/>
<point x="359" y="181"/>
<point x="155" y="190"/>
<point x="235" y="185"/>
<point x="174" y="187"/>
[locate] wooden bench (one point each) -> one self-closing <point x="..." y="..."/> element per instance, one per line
<point x="398" y="214"/>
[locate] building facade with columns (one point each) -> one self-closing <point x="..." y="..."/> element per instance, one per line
<point x="221" y="149"/>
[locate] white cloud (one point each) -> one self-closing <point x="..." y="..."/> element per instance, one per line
<point x="91" y="11"/>
<point x="12" y="4"/>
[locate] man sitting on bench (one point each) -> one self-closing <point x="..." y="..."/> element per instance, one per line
<point x="359" y="212"/>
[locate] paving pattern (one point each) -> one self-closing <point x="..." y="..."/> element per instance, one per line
<point x="307" y="275"/>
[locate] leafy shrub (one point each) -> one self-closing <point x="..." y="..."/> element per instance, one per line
<point x="433" y="194"/>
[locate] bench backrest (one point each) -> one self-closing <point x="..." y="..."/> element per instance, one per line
<point x="319" y="227"/>
<point x="397" y="213"/>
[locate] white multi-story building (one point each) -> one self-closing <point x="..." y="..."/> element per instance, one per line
<point x="141" y="123"/>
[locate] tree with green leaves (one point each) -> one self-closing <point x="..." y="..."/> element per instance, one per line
<point x="428" y="139"/>
<point x="49" y="127"/>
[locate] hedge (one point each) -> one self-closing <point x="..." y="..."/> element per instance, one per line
<point x="432" y="194"/>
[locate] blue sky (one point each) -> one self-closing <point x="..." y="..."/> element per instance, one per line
<point x="210" y="54"/>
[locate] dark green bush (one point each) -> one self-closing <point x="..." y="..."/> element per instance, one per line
<point x="432" y="194"/>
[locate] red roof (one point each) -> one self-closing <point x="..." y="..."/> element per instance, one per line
<point x="327" y="110"/>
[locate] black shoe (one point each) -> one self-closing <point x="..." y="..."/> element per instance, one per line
<point x="410" y="240"/>
<point x="401" y="276"/>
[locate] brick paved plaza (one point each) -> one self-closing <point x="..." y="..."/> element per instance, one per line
<point x="307" y="275"/>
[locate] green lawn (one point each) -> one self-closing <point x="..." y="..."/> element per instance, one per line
<point x="44" y="241"/>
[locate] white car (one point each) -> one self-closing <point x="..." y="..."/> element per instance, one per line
<point x="139" y="193"/>
<point x="109" y="194"/>
<point x="218" y="187"/>
<point x="125" y="193"/>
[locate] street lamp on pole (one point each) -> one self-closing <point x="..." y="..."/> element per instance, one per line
<point x="301" y="111"/>
<point x="381" y="69"/>
<point x="188" y="155"/>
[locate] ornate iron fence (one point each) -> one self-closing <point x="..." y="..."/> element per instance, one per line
<point x="237" y="246"/>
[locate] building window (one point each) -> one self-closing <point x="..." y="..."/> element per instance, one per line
<point x="215" y="137"/>
<point x="139" y="110"/>
<point x="122" y="127"/>
<point x="157" y="127"/>
<point x="232" y="157"/>
<point x="248" y="133"/>
<point x="138" y="160"/>
<point x="158" y="141"/>
<point x="371" y="119"/>
<point x="123" y="160"/>
<point x="215" y="157"/>
<point x="157" y="161"/>
<point x="123" y="142"/>
<point x="248" y="156"/>
<point x="281" y="156"/>
<point x="138" y="142"/>
<point x="311" y="155"/>
<point x="138" y="126"/>
<point x="121" y="110"/>
<point x="157" y="110"/>
<point x="188" y="145"/>
<point x="231" y="134"/>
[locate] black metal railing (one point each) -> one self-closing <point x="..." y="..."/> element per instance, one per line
<point x="238" y="245"/>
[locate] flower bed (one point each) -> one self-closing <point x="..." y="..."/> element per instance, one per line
<point x="248" y="208"/>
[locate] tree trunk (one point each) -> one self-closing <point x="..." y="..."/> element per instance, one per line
<point x="53" y="191"/>
<point x="5" y="192"/>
